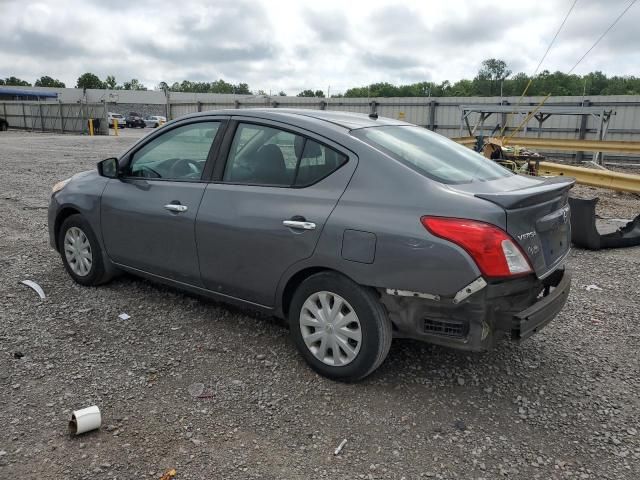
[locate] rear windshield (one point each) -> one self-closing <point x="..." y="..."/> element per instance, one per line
<point x="431" y="154"/>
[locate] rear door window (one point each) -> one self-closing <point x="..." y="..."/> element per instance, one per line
<point x="316" y="162"/>
<point x="262" y="155"/>
<point x="432" y="155"/>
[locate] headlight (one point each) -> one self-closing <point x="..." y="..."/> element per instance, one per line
<point x="59" y="186"/>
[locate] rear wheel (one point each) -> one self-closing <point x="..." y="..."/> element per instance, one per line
<point x="340" y="328"/>
<point x="4" y="126"/>
<point x="80" y="251"/>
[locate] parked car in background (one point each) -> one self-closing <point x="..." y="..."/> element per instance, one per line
<point x="135" y="120"/>
<point x="355" y="228"/>
<point x="4" y="125"/>
<point x="154" y="121"/>
<point x="116" y="118"/>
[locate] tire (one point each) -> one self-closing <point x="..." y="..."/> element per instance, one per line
<point x="95" y="274"/>
<point x="371" y="321"/>
<point x="4" y="126"/>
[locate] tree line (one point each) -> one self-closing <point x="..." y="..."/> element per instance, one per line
<point x="493" y="79"/>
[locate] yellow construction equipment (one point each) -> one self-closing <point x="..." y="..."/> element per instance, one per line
<point x="609" y="146"/>
<point x="624" y="182"/>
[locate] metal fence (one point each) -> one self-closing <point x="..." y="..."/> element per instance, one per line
<point x="440" y="114"/>
<point x="55" y="116"/>
<point x="443" y="114"/>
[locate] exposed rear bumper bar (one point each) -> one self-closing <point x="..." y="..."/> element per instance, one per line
<point x="529" y="321"/>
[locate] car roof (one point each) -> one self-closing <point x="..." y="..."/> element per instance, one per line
<point x="347" y="120"/>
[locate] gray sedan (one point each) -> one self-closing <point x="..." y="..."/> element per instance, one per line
<point x="357" y="229"/>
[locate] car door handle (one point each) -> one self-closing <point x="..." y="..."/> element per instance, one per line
<point x="302" y="225"/>
<point x="172" y="207"/>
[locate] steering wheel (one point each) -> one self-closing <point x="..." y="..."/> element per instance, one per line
<point x="149" y="172"/>
<point x="183" y="167"/>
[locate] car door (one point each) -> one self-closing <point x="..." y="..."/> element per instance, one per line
<point x="148" y="214"/>
<point x="266" y="207"/>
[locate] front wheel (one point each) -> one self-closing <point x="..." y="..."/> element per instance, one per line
<point x="340" y="328"/>
<point x="80" y="251"/>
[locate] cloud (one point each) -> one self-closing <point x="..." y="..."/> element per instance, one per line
<point x="388" y="61"/>
<point x="295" y="45"/>
<point x="24" y="41"/>
<point x="330" y="27"/>
<point x="397" y="21"/>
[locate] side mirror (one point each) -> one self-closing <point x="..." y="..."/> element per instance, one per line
<point x="109" y="168"/>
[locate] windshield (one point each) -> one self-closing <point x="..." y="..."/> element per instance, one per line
<point x="431" y="154"/>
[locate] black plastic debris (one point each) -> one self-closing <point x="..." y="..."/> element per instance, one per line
<point x="584" y="233"/>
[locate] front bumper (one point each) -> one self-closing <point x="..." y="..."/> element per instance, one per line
<point x="517" y="308"/>
<point x="52" y="214"/>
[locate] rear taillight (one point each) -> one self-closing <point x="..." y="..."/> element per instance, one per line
<point x="491" y="248"/>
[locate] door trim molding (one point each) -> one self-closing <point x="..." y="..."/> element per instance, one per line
<point x="193" y="288"/>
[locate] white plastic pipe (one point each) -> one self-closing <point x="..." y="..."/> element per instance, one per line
<point x="85" y="420"/>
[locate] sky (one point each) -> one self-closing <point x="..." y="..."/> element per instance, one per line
<point x="295" y="45"/>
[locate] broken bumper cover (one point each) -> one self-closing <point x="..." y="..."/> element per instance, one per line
<point x="529" y="321"/>
<point x="517" y="308"/>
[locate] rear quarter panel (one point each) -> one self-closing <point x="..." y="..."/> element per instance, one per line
<point x="388" y="199"/>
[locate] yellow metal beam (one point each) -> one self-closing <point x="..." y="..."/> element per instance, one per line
<point x="468" y="141"/>
<point x="623" y="182"/>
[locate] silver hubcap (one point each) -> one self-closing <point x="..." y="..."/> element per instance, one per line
<point x="77" y="251"/>
<point x="330" y="328"/>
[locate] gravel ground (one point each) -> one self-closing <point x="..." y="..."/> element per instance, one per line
<point x="216" y="392"/>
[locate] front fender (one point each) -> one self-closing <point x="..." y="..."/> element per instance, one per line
<point x="82" y="194"/>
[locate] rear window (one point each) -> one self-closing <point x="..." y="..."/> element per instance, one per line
<point x="432" y="155"/>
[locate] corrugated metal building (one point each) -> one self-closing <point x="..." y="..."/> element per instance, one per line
<point x="23" y="94"/>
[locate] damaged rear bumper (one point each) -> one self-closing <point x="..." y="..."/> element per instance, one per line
<point x="529" y="321"/>
<point x="517" y="308"/>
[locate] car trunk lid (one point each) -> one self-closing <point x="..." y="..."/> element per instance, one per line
<point x="537" y="215"/>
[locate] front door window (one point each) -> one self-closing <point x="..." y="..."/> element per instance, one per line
<point x="179" y="154"/>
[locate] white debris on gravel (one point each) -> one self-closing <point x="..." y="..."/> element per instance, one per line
<point x="340" y="447"/>
<point x="196" y="389"/>
<point x="37" y="288"/>
<point x="563" y="405"/>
